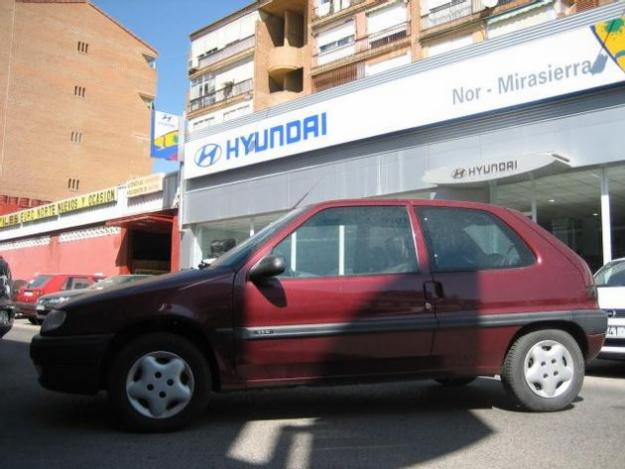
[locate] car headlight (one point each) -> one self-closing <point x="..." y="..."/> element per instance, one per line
<point x="54" y="320"/>
<point x="57" y="300"/>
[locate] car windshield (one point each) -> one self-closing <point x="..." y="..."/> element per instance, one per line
<point x="112" y="281"/>
<point x="243" y="250"/>
<point x="39" y="281"/>
<point x="611" y="275"/>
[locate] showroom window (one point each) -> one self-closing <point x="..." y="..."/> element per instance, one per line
<point x="351" y="241"/>
<point x="461" y="240"/>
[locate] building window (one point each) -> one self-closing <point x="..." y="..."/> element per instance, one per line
<point x="73" y="184"/>
<point x="79" y="91"/>
<point x="344" y="41"/>
<point x="151" y="61"/>
<point x="83" y="47"/>
<point x="76" y="137"/>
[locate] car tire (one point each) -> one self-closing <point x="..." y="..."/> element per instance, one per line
<point x="544" y="370"/>
<point x="34" y="321"/>
<point x="456" y="382"/>
<point x="158" y="383"/>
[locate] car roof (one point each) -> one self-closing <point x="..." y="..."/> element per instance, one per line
<point x="399" y="201"/>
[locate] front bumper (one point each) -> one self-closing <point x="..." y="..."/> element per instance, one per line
<point x="70" y="364"/>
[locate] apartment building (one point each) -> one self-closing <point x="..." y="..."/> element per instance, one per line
<point x="255" y="58"/>
<point x="274" y="51"/>
<point x="76" y="92"/>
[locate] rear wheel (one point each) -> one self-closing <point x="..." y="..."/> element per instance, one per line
<point x="158" y="382"/>
<point x="544" y="370"/>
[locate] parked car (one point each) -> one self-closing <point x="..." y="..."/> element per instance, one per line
<point x="48" y="283"/>
<point x="339" y="292"/>
<point x="46" y="303"/>
<point x="610" y="281"/>
<point x="6" y="316"/>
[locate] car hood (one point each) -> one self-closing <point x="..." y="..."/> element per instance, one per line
<point x="186" y="294"/>
<point x="63" y="294"/>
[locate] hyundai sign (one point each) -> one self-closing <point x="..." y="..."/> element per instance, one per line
<point x="568" y="62"/>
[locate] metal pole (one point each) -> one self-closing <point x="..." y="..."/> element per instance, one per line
<point x="606" y="223"/>
<point x="534" y="204"/>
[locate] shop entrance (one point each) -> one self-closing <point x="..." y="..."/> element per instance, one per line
<point x="148" y="243"/>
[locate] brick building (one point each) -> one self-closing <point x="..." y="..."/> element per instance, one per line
<point x="76" y="90"/>
<point x="273" y="51"/>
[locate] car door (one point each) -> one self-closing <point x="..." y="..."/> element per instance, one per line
<point x="350" y="302"/>
<point x="482" y="271"/>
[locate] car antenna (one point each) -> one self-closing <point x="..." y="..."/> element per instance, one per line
<point x="301" y="199"/>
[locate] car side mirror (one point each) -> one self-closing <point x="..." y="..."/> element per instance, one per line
<point x="268" y="266"/>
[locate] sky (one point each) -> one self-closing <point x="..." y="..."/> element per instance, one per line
<point x="166" y="25"/>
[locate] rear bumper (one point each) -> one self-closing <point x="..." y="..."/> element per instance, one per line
<point x="26" y="310"/>
<point x="614" y="346"/>
<point x="70" y="364"/>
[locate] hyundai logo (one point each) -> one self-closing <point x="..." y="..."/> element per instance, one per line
<point x="458" y="173"/>
<point x="208" y="155"/>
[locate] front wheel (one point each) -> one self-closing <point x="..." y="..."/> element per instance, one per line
<point x="158" y="382"/>
<point x="544" y="370"/>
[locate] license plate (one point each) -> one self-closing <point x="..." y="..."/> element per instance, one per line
<point x="28" y="293"/>
<point x="616" y="332"/>
<point x="40" y="308"/>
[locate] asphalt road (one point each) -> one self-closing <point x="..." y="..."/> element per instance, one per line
<point x="370" y="426"/>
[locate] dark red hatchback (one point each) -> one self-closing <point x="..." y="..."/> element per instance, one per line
<point x="336" y="293"/>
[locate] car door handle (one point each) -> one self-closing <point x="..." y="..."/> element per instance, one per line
<point x="433" y="290"/>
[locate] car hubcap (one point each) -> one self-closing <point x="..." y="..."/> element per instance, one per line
<point x="549" y="369"/>
<point x="159" y="385"/>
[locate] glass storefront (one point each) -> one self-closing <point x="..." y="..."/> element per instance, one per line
<point x="569" y="206"/>
<point x="566" y="204"/>
<point x="218" y="237"/>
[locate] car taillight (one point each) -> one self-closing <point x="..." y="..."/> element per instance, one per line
<point x="37" y="292"/>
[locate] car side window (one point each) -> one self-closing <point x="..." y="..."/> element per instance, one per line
<point x="351" y="241"/>
<point x="468" y="240"/>
<point x="81" y="282"/>
<point x="68" y="284"/>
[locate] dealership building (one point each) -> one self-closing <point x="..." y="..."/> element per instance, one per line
<point x="533" y="120"/>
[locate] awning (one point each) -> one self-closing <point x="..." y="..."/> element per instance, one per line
<point x="145" y="222"/>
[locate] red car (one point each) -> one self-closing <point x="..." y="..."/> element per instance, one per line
<point x="339" y="292"/>
<point x="43" y="284"/>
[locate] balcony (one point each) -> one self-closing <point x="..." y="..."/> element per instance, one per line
<point x="446" y="13"/>
<point x="332" y="7"/>
<point x="232" y="49"/>
<point x="456" y="9"/>
<point x="284" y="59"/>
<point x="339" y="76"/>
<point x="376" y="42"/>
<point x="223" y="95"/>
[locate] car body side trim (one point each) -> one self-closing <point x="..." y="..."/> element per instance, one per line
<point x="591" y="321"/>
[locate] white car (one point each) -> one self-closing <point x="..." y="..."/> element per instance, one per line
<point x="610" y="281"/>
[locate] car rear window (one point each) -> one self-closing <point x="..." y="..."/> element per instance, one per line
<point x="461" y="240"/>
<point x="39" y="281"/>
<point x="611" y="275"/>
